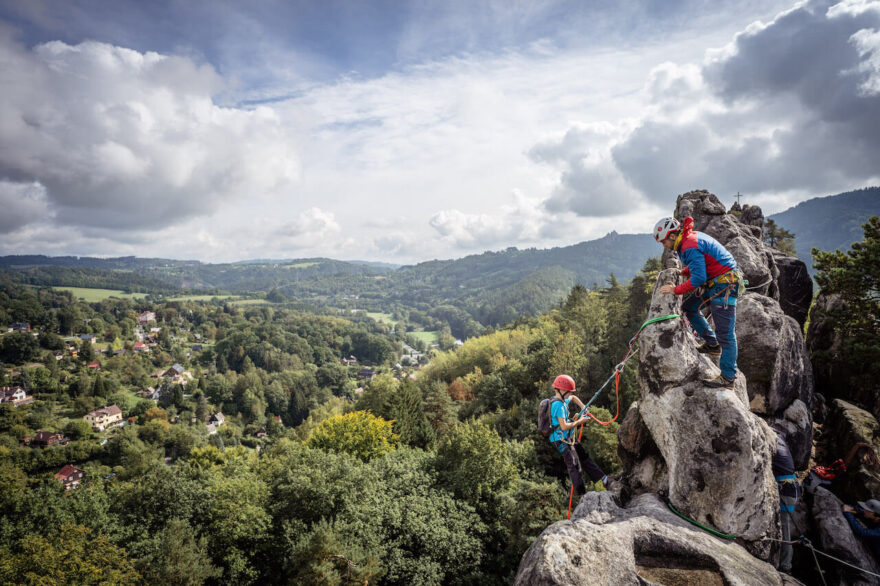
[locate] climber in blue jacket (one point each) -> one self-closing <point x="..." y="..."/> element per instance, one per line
<point x="865" y="522"/>
<point x="715" y="281"/>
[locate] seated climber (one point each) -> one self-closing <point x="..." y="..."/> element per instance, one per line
<point x="562" y="438"/>
<point x="865" y="523"/>
<point x="715" y="282"/>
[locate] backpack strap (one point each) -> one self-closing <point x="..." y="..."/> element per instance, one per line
<point x="553" y="424"/>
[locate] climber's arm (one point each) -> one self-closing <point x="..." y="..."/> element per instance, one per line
<point x="859" y="528"/>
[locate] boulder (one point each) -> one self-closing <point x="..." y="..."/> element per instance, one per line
<point x="772" y="355"/>
<point x="642" y="462"/>
<point x="798" y="430"/>
<point x="846" y="426"/>
<point x="795" y="286"/>
<point x="836" y="538"/>
<point x="716" y="452"/>
<point x="752" y="216"/>
<point x="644" y="543"/>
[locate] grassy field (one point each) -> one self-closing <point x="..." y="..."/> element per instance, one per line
<point x="199" y="297"/>
<point x="93" y="295"/>
<point x="386" y="317"/>
<point x="251" y="302"/>
<point x="426" y="337"/>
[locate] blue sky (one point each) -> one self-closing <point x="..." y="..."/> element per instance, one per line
<point x="403" y="131"/>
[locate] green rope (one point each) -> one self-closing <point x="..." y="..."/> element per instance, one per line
<point x="700" y="525"/>
<point x="659" y="318"/>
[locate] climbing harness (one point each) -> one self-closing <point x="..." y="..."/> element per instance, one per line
<point x="631" y="351"/>
<point x="697" y="523"/>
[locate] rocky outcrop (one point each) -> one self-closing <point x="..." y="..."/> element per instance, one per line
<point x="752" y="216"/>
<point x="703" y="448"/>
<point x="848" y="426"/>
<point x="795" y="286"/>
<point x="836" y="538"/>
<point x="716" y="452"/>
<point x="644" y="543"/>
<point x="772" y="354"/>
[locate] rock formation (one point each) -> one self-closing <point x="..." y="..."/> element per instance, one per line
<point x="836" y="538"/>
<point x="771" y="346"/>
<point x="642" y="544"/>
<point x="704" y="448"/>
<point x="848" y="426"/>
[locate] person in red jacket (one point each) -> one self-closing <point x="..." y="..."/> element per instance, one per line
<point x="714" y="282"/>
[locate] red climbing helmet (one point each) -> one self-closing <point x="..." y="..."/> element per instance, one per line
<point x="563" y="382"/>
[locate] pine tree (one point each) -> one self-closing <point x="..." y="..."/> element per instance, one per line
<point x="98" y="388"/>
<point x="779" y="238"/>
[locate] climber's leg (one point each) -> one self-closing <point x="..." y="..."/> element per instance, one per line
<point x="691" y="308"/>
<point x="591" y="468"/>
<point x="725" y="324"/>
<point x="570" y="457"/>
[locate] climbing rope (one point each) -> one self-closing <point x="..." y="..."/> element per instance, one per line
<point x="808" y="544"/>
<point x="631" y="351"/>
<point x="697" y="523"/>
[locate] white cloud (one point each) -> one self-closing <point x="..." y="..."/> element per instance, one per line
<point x="789" y="109"/>
<point x="22" y="204"/>
<point x="132" y="140"/>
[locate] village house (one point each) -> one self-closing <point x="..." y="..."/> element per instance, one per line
<point x="350" y="361"/>
<point x="95" y="364"/>
<point x="88" y="337"/>
<point x="217" y="419"/>
<point x="45" y="439"/>
<point x="21" y="326"/>
<point x="70" y="476"/>
<point x="15" y="396"/>
<point x="104" y="418"/>
<point x="140" y="347"/>
<point x="146" y="317"/>
<point x="366" y="374"/>
<point x="211" y="428"/>
<point x="175" y="370"/>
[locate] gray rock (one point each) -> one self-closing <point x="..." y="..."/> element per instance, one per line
<point x="837" y="539"/>
<point x="644" y="543"/>
<point x="717" y="453"/>
<point x="772" y="355"/>
<point x="795" y="286"/>
<point x="846" y="426"/>
<point x="752" y="216"/>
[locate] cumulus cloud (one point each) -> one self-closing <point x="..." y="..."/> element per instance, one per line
<point x="22" y="204"/>
<point x="132" y="140"/>
<point x="789" y="106"/>
<point x="310" y="229"/>
<point x="524" y="221"/>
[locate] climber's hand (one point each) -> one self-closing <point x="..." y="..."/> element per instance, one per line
<point x="848" y="509"/>
<point x="668" y="288"/>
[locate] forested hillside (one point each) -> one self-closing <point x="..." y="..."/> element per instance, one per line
<point x="829" y="223"/>
<point x="248" y="451"/>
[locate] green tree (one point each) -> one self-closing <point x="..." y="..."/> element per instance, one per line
<point x="98" y="389"/>
<point x="472" y="462"/>
<point x="86" y="352"/>
<point x="779" y="238"/>
<point x="70" y="555"/>
<point x="854" y="276"/>
<point x="202" y="409"/>
<point x="78" y="429"/>
<point x="360" y="434"/>
<point x="410" y="421"/>
<point x="18" y="348"/>
<point x="178" y="556"/>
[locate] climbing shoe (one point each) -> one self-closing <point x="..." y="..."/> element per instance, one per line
<point x="721" y="382"/>
<point x="710" y="349"/>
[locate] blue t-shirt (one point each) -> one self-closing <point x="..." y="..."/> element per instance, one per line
<point x="559" y="409"/>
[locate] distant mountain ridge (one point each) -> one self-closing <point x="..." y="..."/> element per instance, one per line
<point x="832" y="222"/>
